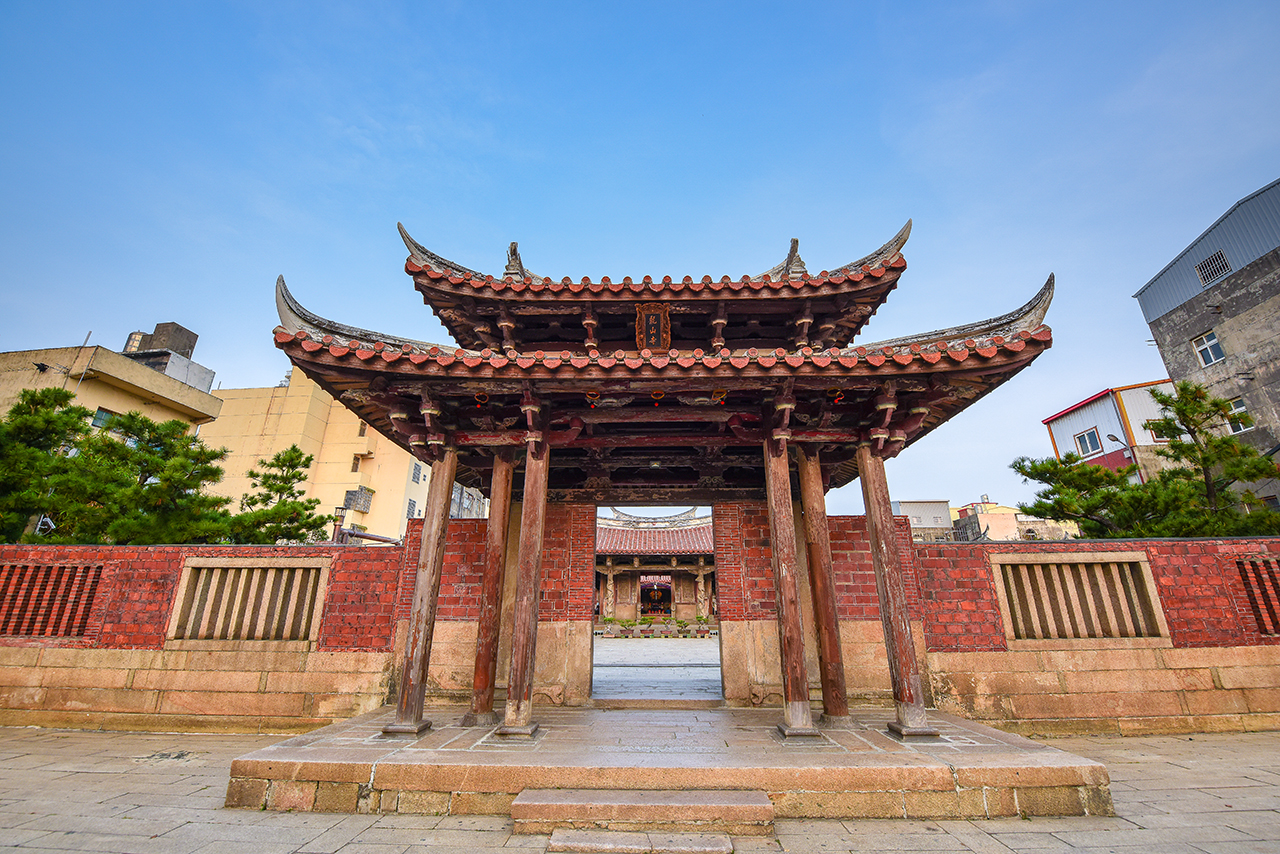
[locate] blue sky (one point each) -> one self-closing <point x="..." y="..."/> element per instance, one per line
<point x="167" y="161"/>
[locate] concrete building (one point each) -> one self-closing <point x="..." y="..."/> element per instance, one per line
<point x="984" y="521"/>
<point x="380" y="485"/>
<point x="1214" y="312"/>
<point x="930" y="520"/>
<point x="159" y="383"/>
<point x="1108" y="429"/>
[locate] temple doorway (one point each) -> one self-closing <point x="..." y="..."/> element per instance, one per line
<point x="657" y="631"/>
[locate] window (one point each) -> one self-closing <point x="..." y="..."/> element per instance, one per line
<point x="1088" y="442"/>
<point x="364" y="428"/>
<point x="355" y="462"/>
<point x="1207" y="348"/>
<point x="1271" y="501"/>
<point x="417" y="473"/>
<point x="101" y="417"/>
<point x="1213" y="268"/>
<point x="1239" y="420"/>
<point x="1091" y="595"/>
<point x="412" y="509"/>
<point x="60" y="608"/>
<point x="250" y="599"/>
<point x="1262" y="586"/>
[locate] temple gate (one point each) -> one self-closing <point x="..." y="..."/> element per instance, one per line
<point x="740" y="394"/>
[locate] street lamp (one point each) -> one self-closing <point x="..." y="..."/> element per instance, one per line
<point x="1129" y="450"/>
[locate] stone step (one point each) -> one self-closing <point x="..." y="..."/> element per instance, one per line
<point x="740" y="813"/>
<point x="620" y="842"/>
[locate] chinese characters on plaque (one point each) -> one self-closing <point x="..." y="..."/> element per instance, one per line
<point x="653" y="327"/>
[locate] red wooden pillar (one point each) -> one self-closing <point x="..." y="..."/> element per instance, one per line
<point x="904" y="670"/>
<point x="426" y="593"/>
<point x="495" y="554"/>
<point x="524" y="632"/>
<point x="797" y="717"/>
<point x="822" y="583"/>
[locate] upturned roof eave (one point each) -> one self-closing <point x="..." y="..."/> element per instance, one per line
<point x="1002" y="332"/>
<point x="786" y="280"/>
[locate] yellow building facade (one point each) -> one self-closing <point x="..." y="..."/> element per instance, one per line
<point x="104" y="382"/>
<point x="381" y="484"/>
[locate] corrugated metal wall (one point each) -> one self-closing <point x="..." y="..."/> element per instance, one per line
<point x="1140" y="408"/>
<point x="1101" y="414"/>
<point x="1245" y="233"/>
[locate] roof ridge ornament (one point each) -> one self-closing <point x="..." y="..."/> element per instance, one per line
<point x="792" y="267"/>
<point x="515" y="267"/>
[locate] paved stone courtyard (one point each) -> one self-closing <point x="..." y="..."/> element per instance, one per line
<point x="656" y="669"/>
<point x="133" y="792"/>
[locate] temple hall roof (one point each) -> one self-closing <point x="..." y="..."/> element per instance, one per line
<point x="782" y="307"/>
<point x="684" y="423"/>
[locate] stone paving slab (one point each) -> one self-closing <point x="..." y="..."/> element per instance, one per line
<point x="1211" y="771"/>
<point x="619" y="842"/>
<point x="854" y="769"/>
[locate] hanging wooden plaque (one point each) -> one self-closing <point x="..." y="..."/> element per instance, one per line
<point x="653" y="327"/>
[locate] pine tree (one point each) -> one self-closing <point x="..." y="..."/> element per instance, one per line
<point x="276" y="511"/>
<point x="138" y="481"/>
<point x="35" y="436"/>
<point x="1210" y="459"/>
<point x="1191" y="499"/>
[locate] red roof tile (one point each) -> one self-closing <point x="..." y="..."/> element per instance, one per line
<point x="652" y="541"/>
<point x="666" y="285"/>
<point x="957" y="351"/>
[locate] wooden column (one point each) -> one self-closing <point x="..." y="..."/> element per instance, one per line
<point x="524" y="632"/>
<point x="797" y="717"/>
<point x="904" y="670"/>
<point x="822" y="584"/>
<point x="426" y="593"/>
<point x="495" y="555"/>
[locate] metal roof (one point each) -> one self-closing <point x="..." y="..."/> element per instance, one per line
<point x="1246" y="232"/>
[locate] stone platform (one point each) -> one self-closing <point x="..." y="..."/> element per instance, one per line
<point x="854" y="770"/>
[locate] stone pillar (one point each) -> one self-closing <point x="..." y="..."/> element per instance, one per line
<point x="904" y="670"/>
<point x="426" y="593"/>
<point x="524" y="633"/>
<point x="700" y="596"/>
<point x="610" y="608"/>
<point x="797" y="717"/>
<point x="495" y="555"/>
<point x="822" y="584"/>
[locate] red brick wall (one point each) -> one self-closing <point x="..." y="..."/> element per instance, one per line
<point x="359" y="610"/>
<point x="949" y="584"/>
<point x="568" y="563"/>
<point x="459" y="578"/>
<point x="726" y="521"/>
<point x="135" y="596"/>
<point x="744" y="572"/>
<point x="568" y="566"/>
<point x="1197" y="581"/>
<point x="132" y="602"/>
<point x="961" y="612"/>
<point x="856" y="597"/>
